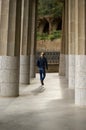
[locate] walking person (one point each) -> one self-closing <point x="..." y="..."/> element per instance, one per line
<point x="42" y="65"/>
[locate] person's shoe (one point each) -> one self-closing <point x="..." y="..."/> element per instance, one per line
<point x="42" y="82"/>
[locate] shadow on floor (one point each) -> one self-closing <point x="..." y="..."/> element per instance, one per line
<point x="38" y="90"/>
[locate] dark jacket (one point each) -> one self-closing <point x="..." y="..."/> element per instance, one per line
<point x="42" y="63"/>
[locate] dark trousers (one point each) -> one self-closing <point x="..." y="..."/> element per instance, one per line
<point x="42" y="74"/>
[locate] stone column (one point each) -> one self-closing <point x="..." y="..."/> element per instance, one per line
<point x="64" y="47"/>
<point x="9" y="47"/>
<point x="71" y="43"/>
<point x="62" y="53"/>
<point x="66" y="41"/>
<point x="33" y="38"/>
<point x="24" y="57"/>
<point x="80" y="85"/>
<point x="0" y="8"/>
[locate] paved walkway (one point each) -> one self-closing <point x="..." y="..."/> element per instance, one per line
<point x="37" y="108"/>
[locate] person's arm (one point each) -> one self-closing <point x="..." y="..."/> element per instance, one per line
<point x="46" y="63"/>
<point x="37" y="63"/>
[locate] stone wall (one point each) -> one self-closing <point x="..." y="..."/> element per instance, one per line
<point x="48" y="45"/>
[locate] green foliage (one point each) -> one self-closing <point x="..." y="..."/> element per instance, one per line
<point x="50" y="7"/>
<point x="52" y="36"/>
<point x="42" y="36"/>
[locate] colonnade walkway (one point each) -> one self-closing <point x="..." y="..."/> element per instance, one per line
<point x="37" y="108"/>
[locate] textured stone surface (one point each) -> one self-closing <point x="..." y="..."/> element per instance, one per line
<point x="24" y="69"/>
<point x="80" y="80"/>
<point x="32" y="66"/>
<point x="49" y="45"/>
<point x="80" y="96"/>
<point x="67" y="66"/>
<point x="24" y="60"/>
<point x="72" y="71"/>
<point x="62" y="65"/>
<point x="37" y="108"/>
<point x="9" y="75"/>
<point x="80" y="71"/>
<point x="0" y="62"/>
<point x="4" y="16"/>
<point x="9" y="62"/>
<point x="9" y="89"/>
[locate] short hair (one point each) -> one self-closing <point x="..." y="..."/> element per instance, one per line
<point x="42" y="53"/>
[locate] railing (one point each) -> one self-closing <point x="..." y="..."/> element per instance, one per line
<point x="52" y="57"/>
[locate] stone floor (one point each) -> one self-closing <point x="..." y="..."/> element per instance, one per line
<point x="37" y="108"/>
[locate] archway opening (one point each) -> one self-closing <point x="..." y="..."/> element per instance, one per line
<point x="49" y="31"/>
<point x="46" y="27"/>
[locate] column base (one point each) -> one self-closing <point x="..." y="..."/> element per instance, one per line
<point x="71" y="80"/>
<point x="9" y="76"/>
<point x="67" y="66"/>
<point x="80" y="80"/>
<point x="80" y="96"/>
<point x="24" y="69"/>
<point x="32" y="66"/>
<point x="62" y="65"/>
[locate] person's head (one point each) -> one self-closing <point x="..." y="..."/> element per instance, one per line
<point x="42" y="54"/>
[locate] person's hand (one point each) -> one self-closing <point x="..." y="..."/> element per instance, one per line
<point x="47" y="69"/>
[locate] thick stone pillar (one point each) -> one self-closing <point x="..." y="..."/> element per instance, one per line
<point x="0" y="8"/>
<point x="4" y="26"/>
<point x="33" y="38"/>
<point x="71" y="43"/>
<point x="24" y="57"/>
<point x="66" y="41"/>
<point x="62" y="53"/>
<point x="64" y="47"/>
<point x="80" y="85"/>
<point x="9" y="47"/>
